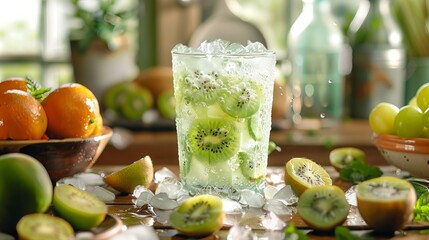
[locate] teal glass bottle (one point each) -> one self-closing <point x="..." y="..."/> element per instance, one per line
<point x="379" y="58"/>
<point x="315" y="86"/>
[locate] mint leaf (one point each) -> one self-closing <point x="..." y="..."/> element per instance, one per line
<point x="292" y="233"/>
<point x="421" y="209"/>
<point x="343" y="233"/>
<point x="359" y="171"/>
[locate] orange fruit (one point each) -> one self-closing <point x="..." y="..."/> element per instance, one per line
<point x="13" y="83"/>
<point x="22" y="117"/>
<point x="73" y="112"/>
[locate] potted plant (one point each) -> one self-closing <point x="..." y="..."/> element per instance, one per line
<point x="101" y="53"/>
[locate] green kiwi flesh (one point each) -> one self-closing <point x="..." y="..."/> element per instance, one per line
<point x="202" y="88"/>
<point x="342" y="157"/>
<point x="251" y="167"/>
<point x="200" y="215"/>
<point x="323" y="207"/>
<point x="81" y="209"/>
<point x="254" y="128"/>
<point x="115" y="95"/>
<point x="40" y="226"/>
<point x="242" y="100"/>
<point x="136" y="103"/>
<point x="213" y="139"/>
<point x="166" y="105"/>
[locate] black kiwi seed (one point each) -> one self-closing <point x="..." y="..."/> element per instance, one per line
<point x="315" y="178"/>
<point x="199" y="212"/>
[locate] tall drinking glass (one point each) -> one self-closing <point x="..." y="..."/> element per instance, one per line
<point x="223" y="93"/>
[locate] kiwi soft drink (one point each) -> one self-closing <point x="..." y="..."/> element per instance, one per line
<point x="223" y="94"/>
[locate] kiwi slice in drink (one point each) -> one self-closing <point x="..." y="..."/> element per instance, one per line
<point x="254" y="127"/>
<point x="303" y="173"/>
<point x="44" y="226"/>
<point x="386" y="203"/>
<point x="343" y="157"/>
<point x="213" y="139"/>
<point x="202" y="88"/>
<point x="251" y="167"/>
<point x="242" y="99"/>
<point x="323" y="207"/>
<point x="80" y="208"/>
<point x="197" y="216"/>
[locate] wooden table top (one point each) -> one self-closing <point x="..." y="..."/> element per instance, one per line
<point x="124" y="203"/>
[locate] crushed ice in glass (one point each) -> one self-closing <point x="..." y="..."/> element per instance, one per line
<point x="219" y="47"/>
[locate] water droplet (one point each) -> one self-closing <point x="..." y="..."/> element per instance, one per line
<point x="329" y="81"/>
<point x="322" y="115"/>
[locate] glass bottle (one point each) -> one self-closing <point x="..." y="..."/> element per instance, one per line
<point x="379" y="58"/>
<point x="315" y="86"/>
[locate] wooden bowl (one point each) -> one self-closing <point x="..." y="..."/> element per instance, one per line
<point x="61" y="157"/>
<point x="408" y="154"/>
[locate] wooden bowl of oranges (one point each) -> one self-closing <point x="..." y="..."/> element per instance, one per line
<point x="62" y="128"/>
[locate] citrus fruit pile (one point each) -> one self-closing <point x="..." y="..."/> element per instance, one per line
<point x="29" y="112"/>
<point x="409" y="121"/>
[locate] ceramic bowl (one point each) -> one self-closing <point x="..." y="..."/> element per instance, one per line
<point x="408" y="154"/>
<point x="61" y="158"/>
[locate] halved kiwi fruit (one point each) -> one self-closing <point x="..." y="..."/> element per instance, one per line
<point x="115" y="95"/>
<point x="251" y="167"/>
<point x="323" y="207"/>
<point x="386" y="203"/>
<point x="302" y="174"/>
<point x="213" y="139"/>
<point x="136" y="103"/>
<point x="342" y="157"/>
<point x="200" y="215"/>
<point x="80" y="208"/>
<point x="242" y="100"/>
<point x="44" y="226"/>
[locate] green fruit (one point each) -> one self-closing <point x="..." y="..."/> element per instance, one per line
<point x="409" y="122"/>
<point x="115" y="96"/>
<point x="201" y="88"/>
<point x="201" y="215"/>
<point x="213" y="139"/>
<point x="382" y="118"/>
<point x="167" y="105"/>
<point x="252" y="168"/>
<point x="323" y="207"/>
<point x="343" y="157"/>
<point x="422" y="97"/>
<point x="386" y="203"/>
<point x="241" y="100"/>
<point x="254" y="127"/>
<point x="80" y="208"/>
<point x="302" y="174"/>
<point x="39" y="226"/>
<point x="25" y="187"/>
<point x="136" y="103"/>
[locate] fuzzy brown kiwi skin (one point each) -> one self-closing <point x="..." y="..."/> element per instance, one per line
<point x="385" y="217"/>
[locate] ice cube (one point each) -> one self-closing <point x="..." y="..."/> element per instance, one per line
<point x="162" y="201"/>
<point x="145" y="197"/>
<point x="82" y="236"/>
<point x="252" y="199"/>
<point x="351" y="195"/>
<point x="163" y="173"/>
<point x="287" y="195"/>
<point x="272" y="222"/>
<point x="270" y="191"/>
<point x="171" y="186"/>
<point x="238" y="232"/>
<point x="76" y="182"/>
<point x="279" y="207"/>
<point x="138" y="190"/>
<point x="137" y="232"/>
<point x="354" y="217"/>
<point x="182" y="198"/>
<point x="230" y="206"/>
<point x="255" y="47"/>
<point x="89" y="178"/>
<point x="163" y="216"/>
<point x="101" y="193"/>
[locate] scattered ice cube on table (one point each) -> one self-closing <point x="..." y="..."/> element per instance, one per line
<point x="138" y="190"/>
<point x="162" y="201"/>
<point x="171" y="186"/>
<point x="252" y="199"/>
<point x="351" y="195"/>
<point x="354" y="218"/>
<point x="145" y="197"/>
<point x="76" y="182"/>
<point x="231" y="207"/>
<point x="163" y="216"/>
<point x="136" y="233"/>
<point x="279" y="207"/>
<point x="238" y="232"/>
<point x="101" y="193"/>
<point x="182" y="198"/>
<point x="163" y="173"/>
<point x="272" y="222"/>
<point x="287" y="195"/>
<point x="270" y="191"/>
<point x="89" y="178"/>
